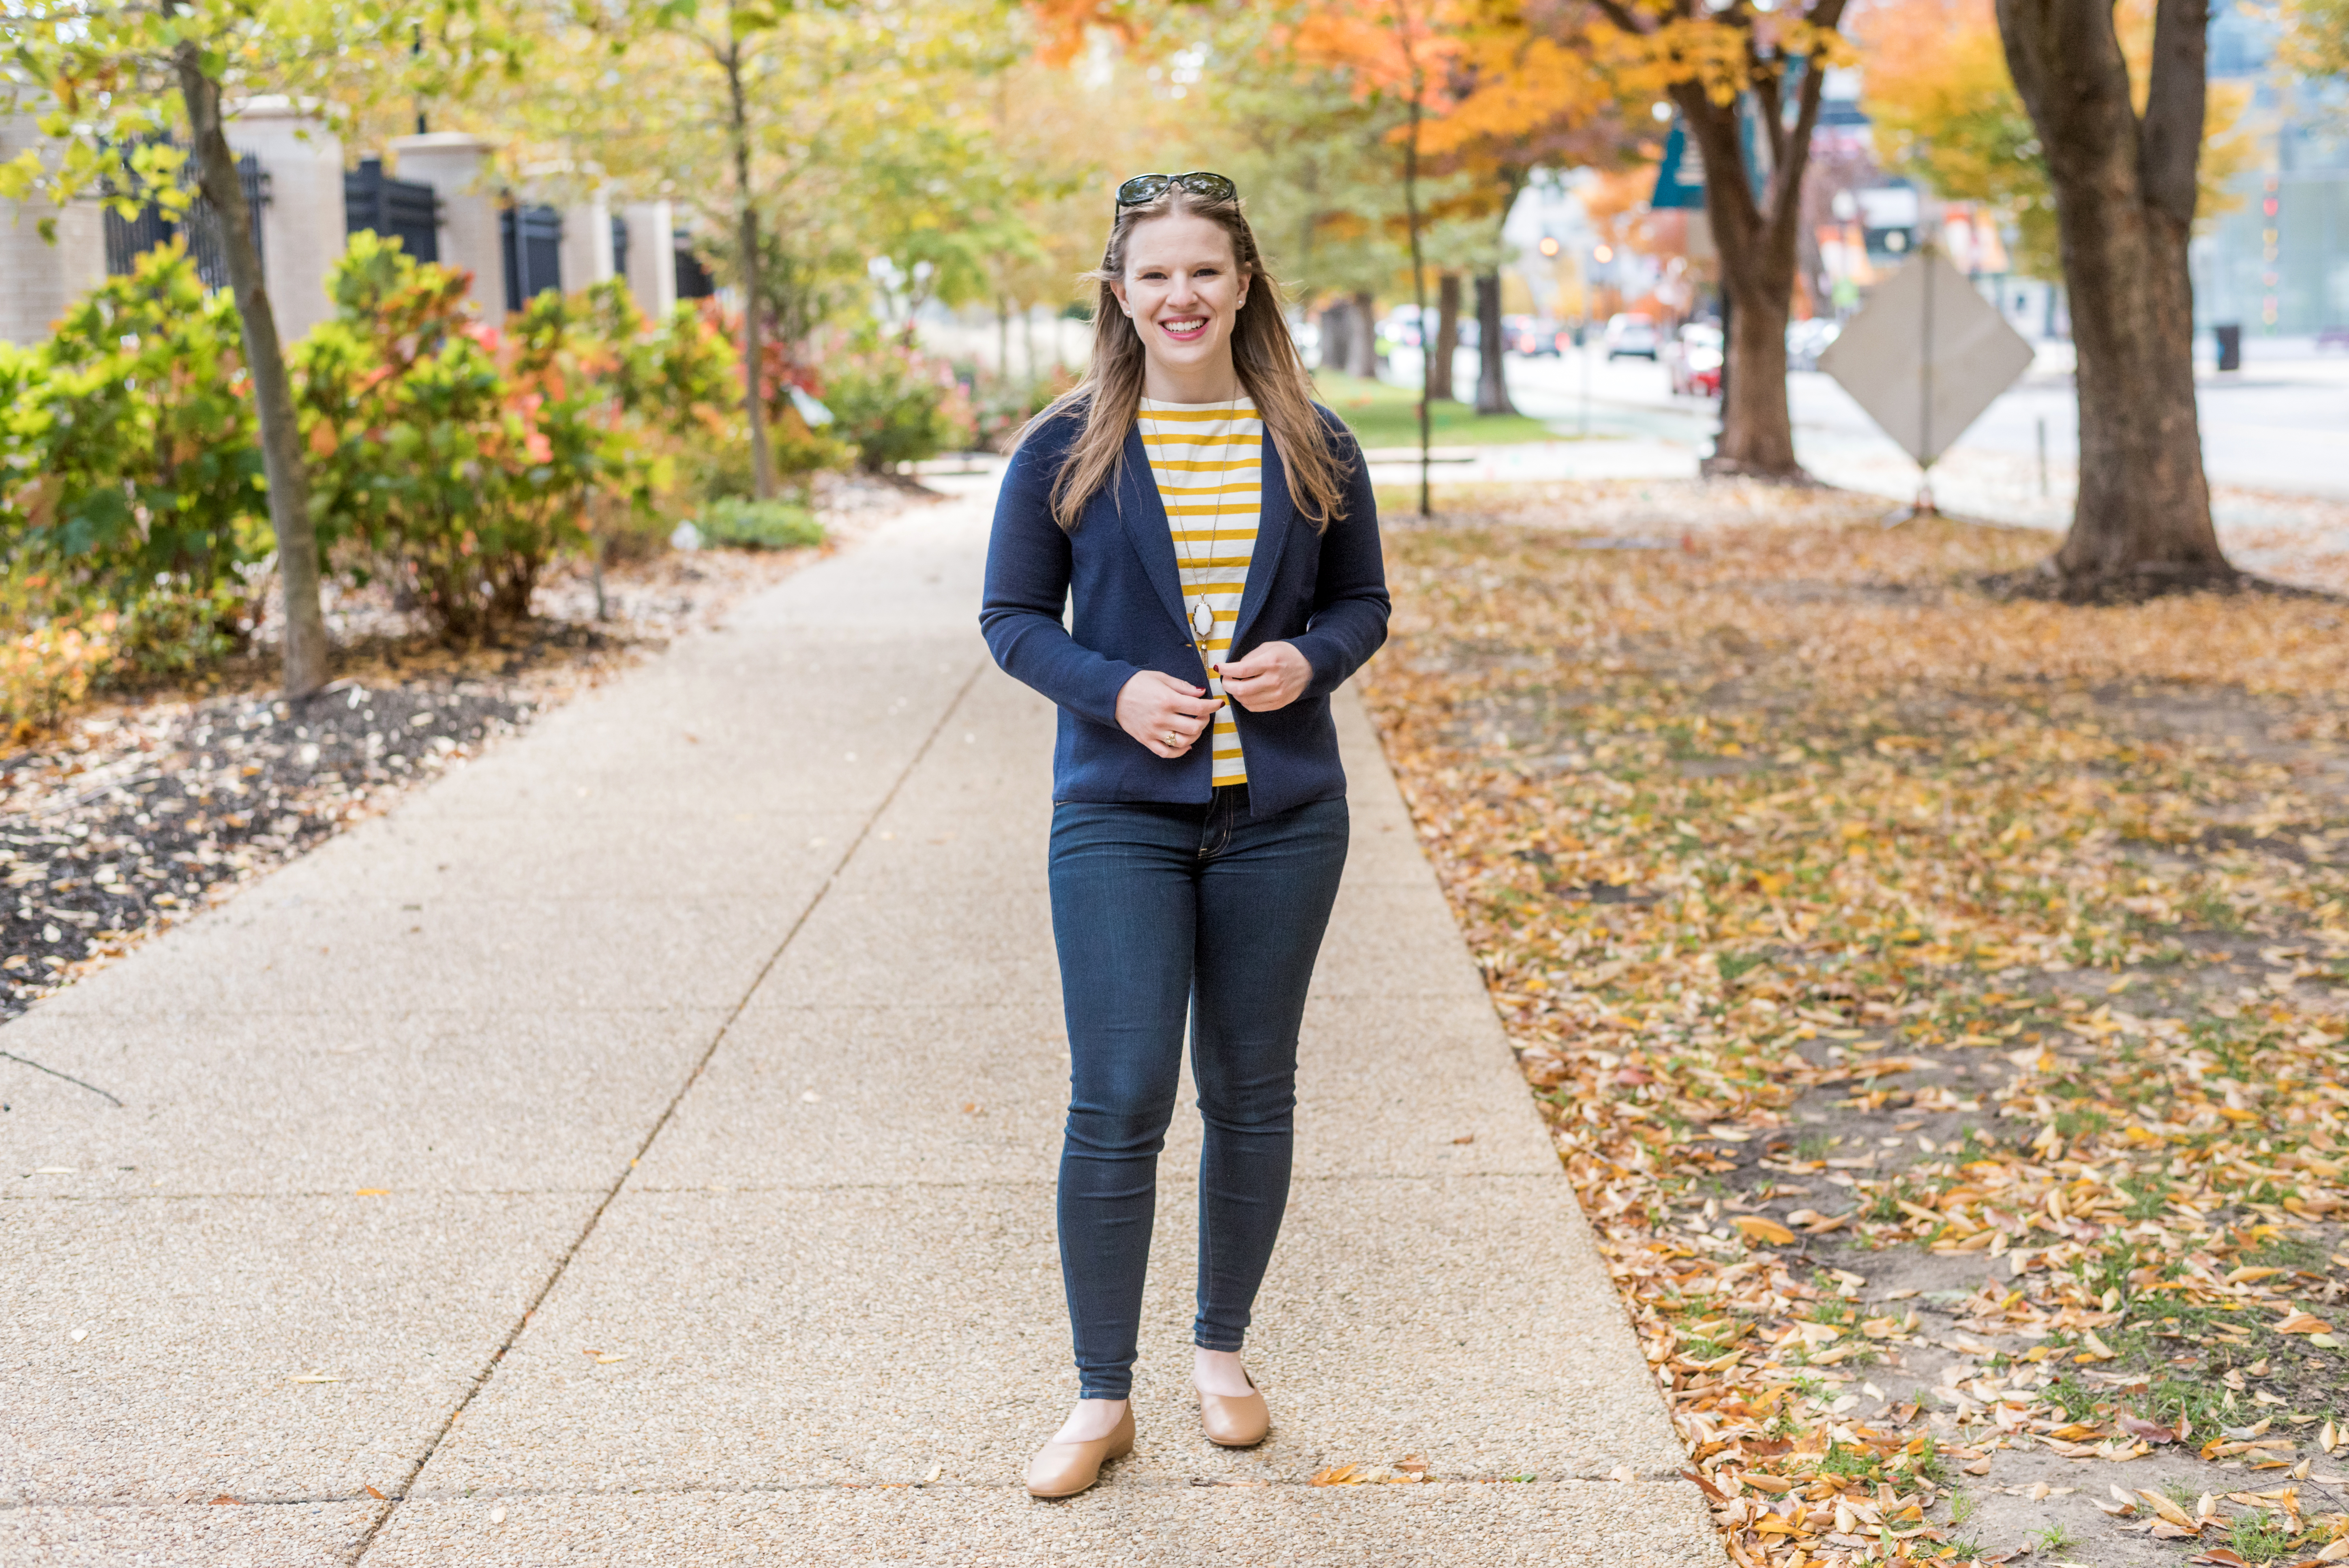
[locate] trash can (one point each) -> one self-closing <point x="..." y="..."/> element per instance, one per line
<point x="2230" y="335"/>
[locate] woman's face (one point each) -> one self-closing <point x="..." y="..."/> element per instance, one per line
<point x="1184" y="289"/>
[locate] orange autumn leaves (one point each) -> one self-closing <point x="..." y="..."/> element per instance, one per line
<point x="1757" y="838"/>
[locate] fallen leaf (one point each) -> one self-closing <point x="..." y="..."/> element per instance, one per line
<point x="1758" y="1229"/>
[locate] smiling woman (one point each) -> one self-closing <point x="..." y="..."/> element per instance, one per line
<point x="1214" y="534"/>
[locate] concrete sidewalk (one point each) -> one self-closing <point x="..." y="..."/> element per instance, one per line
<point x="638" y="1149"/>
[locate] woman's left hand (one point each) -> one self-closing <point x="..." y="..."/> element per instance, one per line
<point x="1272" y="675"/>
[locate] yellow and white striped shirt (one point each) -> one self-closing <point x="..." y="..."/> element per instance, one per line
<point x="1208" y="460"/>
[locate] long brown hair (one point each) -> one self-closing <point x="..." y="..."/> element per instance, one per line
<point x="1270" y="371"/>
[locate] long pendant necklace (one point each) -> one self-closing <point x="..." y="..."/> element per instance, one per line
<point x="1203" y="614"/>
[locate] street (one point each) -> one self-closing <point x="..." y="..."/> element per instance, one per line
<point x="2280" y="425"/>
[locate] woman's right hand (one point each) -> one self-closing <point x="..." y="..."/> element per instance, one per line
<point x="1153" y="706"/>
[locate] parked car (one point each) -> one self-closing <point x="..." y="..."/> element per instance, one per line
<point x="1692" y="359"/>
<point x="1632" y="334"/>
<point x="1806" y="340"/>
<point x="1401" y="326"/>
<point x="1529" y="335"/>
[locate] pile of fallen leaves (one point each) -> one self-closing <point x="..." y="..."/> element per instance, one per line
<point x="1938" y="1000"/>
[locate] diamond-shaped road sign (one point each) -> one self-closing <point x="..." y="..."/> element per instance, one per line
<point x="1926" y="357"/>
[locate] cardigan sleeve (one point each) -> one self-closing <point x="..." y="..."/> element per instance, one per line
<point x="1350" y="596"/>
<point x="1029" y="560"/>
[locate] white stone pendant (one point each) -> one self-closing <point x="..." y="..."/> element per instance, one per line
<point x="1203" y="619"/>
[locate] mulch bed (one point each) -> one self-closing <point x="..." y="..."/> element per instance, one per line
<point x="1940" y="1003"/>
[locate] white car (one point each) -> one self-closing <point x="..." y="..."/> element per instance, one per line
<point x="1632" y="334"/>
<point x="1806" y="340"/>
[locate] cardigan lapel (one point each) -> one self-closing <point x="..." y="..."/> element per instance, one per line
<point x="1274" y="522"/>
<point x="1144" y="517"/>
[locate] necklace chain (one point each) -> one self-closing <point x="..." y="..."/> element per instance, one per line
<point x="1215" y="528"/>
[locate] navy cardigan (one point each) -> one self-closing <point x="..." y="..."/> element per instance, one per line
<point x="1323" y="592"/>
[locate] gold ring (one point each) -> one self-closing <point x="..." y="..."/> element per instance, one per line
<point x="1172" y="738"/>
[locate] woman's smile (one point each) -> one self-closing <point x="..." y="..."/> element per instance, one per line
<point x="1184" y="286"/>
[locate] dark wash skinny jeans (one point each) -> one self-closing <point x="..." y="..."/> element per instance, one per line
<point x="1157" y="908"/>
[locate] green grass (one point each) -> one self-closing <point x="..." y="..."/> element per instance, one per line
<point x="2256" y="1538"/>
<point x="1385" y="415"/>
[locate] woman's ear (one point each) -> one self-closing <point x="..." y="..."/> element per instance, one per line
<point x="1118" y="288"/>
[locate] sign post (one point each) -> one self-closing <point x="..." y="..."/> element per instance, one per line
<point x="1923" y="360"/>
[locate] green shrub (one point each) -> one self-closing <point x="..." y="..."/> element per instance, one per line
<point x="1004" y="404"/>
<point x="758" y="524"/>
<point x="131" y="475"/>
<point x="720" y="466"/>
<point x="895" y="406"/>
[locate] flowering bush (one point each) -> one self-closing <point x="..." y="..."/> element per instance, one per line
<point x="48" y="670"/>
<point x="797" y="448"/>
<point x="1003" y="405"/>
<point x="896" y="405"/>
<point x="464" y="455"/>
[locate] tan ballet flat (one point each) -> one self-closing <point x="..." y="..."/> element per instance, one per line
<point x="1232" y="1422"/>
<point x="1064" y="1470"/>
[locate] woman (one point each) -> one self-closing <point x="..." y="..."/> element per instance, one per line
<point x="1215" y="531"/>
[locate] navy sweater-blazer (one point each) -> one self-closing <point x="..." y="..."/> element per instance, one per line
<point x="1323" y="591"/>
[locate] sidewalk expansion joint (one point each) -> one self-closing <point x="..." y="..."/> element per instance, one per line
<point x="497" y="1357"/>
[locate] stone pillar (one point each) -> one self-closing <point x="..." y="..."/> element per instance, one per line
<point x="652" y="256"/>
<point x="301" y="227"/>
<point x="38" y="280"/>
<point x="452" y="163"/>
<point x="586" y="244"/>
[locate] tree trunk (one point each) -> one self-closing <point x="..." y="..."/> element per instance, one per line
<point x="1755" y="236"/>
<point x="1492" y="387"/>
<point x="273" y="392"/>
<point x="2124" y="196"/>
<point x="1756" y="240"/>
<point x="1363" y="344"/>
<point x="1447" y="335"/>
<point x="1419" y="297"/>
<point x="754" y="403"/>
<point x="1337" y="335"/>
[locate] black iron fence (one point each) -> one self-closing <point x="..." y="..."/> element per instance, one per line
<point x="128" y="239"/>
<point x="532" y="241"/>
<point x="401" y="210"/>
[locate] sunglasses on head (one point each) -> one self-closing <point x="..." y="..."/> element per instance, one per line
<point x="1145" y="188"/>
